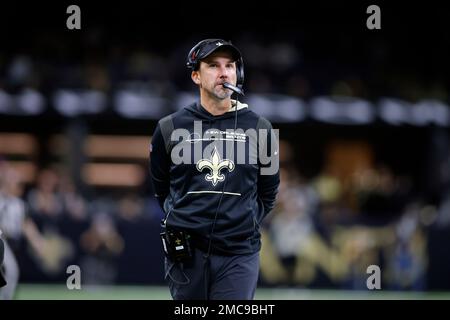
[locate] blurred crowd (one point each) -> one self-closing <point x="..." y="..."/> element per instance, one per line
<point x="326" y="228"/>
<point x="49" y="226"/>
<point x="324" y="231"/>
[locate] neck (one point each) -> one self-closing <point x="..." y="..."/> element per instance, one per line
<point x="215" y="106"/>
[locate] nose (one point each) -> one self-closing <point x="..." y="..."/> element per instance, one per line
<point x="224" y="72"/>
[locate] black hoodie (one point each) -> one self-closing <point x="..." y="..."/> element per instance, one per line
<point x="236" y="195"/>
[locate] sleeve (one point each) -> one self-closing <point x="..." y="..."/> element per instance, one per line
<point x="159" y="166"/>
<point x="268" y="159"/>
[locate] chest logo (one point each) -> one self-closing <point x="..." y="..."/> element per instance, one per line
<point x="215" y="164"/>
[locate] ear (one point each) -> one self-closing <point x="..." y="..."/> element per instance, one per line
<point x="195" y="76"/>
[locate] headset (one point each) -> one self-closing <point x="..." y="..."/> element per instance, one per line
<point x="205" y="47"/>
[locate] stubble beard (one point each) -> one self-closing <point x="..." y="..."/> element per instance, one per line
<point x="221" y="93"/>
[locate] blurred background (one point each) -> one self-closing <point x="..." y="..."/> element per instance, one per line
<point x="364" y="123"/>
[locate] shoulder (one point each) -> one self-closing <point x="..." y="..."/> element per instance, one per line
<point x="178" y="117"/>
<point x="254" y="120"/>
<point x="250" y="115"/>
<point x="263" y="123"/>
<point x="172" y="116"/>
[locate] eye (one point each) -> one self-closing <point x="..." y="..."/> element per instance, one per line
<point x="212" y="65"/>
<point x="230" y="65"/>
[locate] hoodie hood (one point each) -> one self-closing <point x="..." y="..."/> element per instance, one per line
<point x="202" y="113"/>
<point x="239" y="105"/>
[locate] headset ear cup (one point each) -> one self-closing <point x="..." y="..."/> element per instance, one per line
<point x="190" y="61"/>
<point x="192" y="58"/>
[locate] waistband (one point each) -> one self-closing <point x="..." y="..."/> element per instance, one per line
<point x="202" y="244"/>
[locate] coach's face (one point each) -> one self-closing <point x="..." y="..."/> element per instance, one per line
<point x="214" y="70"/>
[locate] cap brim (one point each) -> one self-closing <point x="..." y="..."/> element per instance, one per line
<point x="225" y="47"/>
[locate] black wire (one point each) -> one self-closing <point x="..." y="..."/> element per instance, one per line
<point x="208" y="253"/>
<point x="187" y="281"/>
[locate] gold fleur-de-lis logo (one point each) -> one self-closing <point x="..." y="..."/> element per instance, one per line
<point x="215" y="165"/>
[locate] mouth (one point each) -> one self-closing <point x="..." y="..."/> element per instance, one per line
<point x="221" y="84"/>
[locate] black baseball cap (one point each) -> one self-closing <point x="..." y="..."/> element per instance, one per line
<point x="206" y="47"/>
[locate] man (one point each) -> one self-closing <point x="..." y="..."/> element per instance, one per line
<point x="214" y="167"/>
<point x="14" y="223"/>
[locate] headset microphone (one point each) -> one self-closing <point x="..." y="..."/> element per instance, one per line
<point x="233" y="88"/>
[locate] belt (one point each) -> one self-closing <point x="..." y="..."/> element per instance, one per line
<point x="202" y="245"/>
